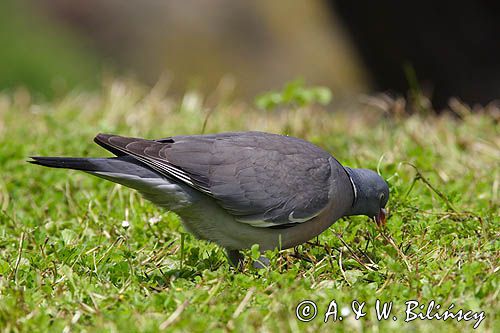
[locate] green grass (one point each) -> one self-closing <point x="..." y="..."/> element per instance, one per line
<point x="67" y="264"/>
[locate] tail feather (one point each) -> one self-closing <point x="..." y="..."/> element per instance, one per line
<point x="76" y="163"/>
<point x="129" y="172"/>
<point x="123" y="165"/>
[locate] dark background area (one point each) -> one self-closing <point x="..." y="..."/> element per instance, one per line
<point x="453" y="48"/>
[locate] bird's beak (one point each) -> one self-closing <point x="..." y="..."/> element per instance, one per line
<point x="381" y="217"/>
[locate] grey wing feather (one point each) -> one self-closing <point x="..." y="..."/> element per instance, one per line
<point x="262" y="179"/>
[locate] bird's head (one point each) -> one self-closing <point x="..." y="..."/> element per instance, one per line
<point x="371" y="194"/>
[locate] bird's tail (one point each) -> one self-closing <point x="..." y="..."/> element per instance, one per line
<point x="76" y="163"/>
<point x="129" y="172"/>
<point x="124" y="165"/>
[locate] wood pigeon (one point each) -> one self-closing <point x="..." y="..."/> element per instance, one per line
<point x="241" y="188"/>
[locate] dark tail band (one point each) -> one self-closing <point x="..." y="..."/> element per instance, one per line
<point x="122" y="164"/>
<point x="76" y="163"/>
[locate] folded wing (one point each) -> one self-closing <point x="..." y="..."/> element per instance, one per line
<point x="262" y="179"/>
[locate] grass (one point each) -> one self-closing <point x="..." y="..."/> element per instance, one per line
<point x="68" y="262"/>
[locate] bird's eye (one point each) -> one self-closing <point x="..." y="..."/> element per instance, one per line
<point x="382" y="196"/>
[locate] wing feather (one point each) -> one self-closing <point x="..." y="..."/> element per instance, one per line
<point x="262" y="179"/>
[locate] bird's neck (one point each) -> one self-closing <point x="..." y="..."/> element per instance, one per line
<point x="356" y="208"/>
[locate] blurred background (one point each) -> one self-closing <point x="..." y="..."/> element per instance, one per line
<point x="53" y="46"/>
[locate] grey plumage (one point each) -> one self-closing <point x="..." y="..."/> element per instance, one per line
<point x="241" y="188"/>
<point x="254" y="176"/>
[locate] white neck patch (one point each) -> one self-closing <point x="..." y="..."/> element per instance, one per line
<point x="354" y="189"/>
